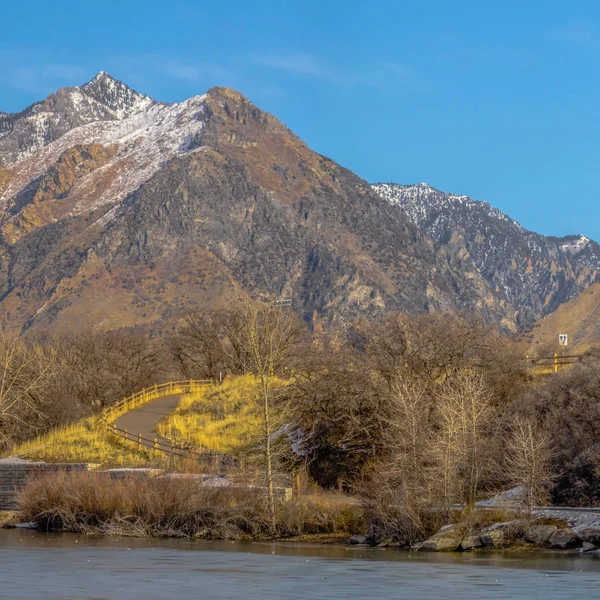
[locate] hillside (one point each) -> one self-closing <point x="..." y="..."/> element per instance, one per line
<point x="579" y="319"/>
<point x="530" y="274"/>
<point x="117" y="210"/>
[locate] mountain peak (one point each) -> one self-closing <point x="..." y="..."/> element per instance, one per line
<point x="115" y="95"/>
<point x="102" y="75"/>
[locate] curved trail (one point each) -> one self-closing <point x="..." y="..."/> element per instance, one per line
<point x="145" y="419"/>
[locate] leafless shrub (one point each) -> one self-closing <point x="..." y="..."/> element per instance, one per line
<point x="566" y="408"/>
<point x="320" y="513"/>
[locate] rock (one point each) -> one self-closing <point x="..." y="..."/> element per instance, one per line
<point x="9" y="519"/>
<point x="501" y="535"/>
<point x="447" y="539"/>
<point x="356" y="540"/>
<point x="492" y="539"/>
<point x="540" y="534"/>
<point x="590" y="535"/>
<point x="587" y="547"/>
<point x="564" y="538"/>
<point x="471" y="541"/>
<point x="386" y="543"/>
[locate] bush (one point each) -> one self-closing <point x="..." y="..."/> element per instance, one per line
<point x="567" y="408"/>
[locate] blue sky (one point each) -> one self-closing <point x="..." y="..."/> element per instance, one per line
<point x="497" y="100"/>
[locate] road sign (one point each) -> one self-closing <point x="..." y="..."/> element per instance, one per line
<point x="563" y="339"/>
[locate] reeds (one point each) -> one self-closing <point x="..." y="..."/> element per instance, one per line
<point x="178" y="506"/>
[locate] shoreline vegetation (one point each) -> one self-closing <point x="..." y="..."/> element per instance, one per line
<point x="381" y="431"/>
<point x="190" y="507"/>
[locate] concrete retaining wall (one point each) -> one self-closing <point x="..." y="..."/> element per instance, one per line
<point x="14" y="477"/>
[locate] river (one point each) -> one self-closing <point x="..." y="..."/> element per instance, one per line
<point x="35" y="565"/>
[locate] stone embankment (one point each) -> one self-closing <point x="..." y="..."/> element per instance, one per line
<point x="516" y="533"/>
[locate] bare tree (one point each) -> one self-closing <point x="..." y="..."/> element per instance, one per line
<point x="25" y="372"/>
<point x="434" y="346"/>
<point x="199" y="347"/>
<point x="529" y="463"/>
<point x="99" y="368"/>
<point x="405" y="477"/>
<point x="447" y="453"/>
<point x="466" y="402"/>
<point x="233" y="324"/>
<point x="269" y="332"/>
<point x="409" y="424"/>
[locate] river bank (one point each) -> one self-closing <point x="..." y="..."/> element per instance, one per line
<point x="191" y="507"/>
<point x="450" y="540"/>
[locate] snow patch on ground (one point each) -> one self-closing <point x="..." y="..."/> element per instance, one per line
<point x="576" y="245"/>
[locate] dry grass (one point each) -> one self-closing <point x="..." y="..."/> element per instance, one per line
<point x="178" y="507"/>
<point x="220" y="418"/>
<point x="83" y="441"/>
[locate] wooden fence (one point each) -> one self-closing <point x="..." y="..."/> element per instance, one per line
<point x="161" y="390"/>
<point x="155" y="445"/>
<point x="544" y="365"/>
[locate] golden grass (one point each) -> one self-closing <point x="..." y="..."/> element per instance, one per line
<point x="83" y="441"/>
<point x="221" y="418"/>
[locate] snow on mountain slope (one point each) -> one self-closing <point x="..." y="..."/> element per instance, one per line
<point x="147" y="135"/>
<point x="101" y="99"/>
<point x="421" y="199"/>
<point x="533" y="273"/>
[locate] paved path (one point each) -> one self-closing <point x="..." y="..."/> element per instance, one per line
<point x="145" y="418"/>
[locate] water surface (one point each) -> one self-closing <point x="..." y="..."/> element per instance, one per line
<point x="35" y="565"/>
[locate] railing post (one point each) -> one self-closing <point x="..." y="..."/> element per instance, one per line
<point x="155" y="447"/>
<point x="126" y="434"/>
<point x="555" y="362"/>
<point x="139" y="441"/>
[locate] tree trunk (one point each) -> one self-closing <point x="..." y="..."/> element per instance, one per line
<point x="269" y="459"/>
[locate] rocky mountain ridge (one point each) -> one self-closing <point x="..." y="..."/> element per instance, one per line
<point x="531" y="274"/>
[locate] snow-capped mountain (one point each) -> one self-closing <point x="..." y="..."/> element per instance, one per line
<point x="533" y="274"/>
<point x="117" y="210"/>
